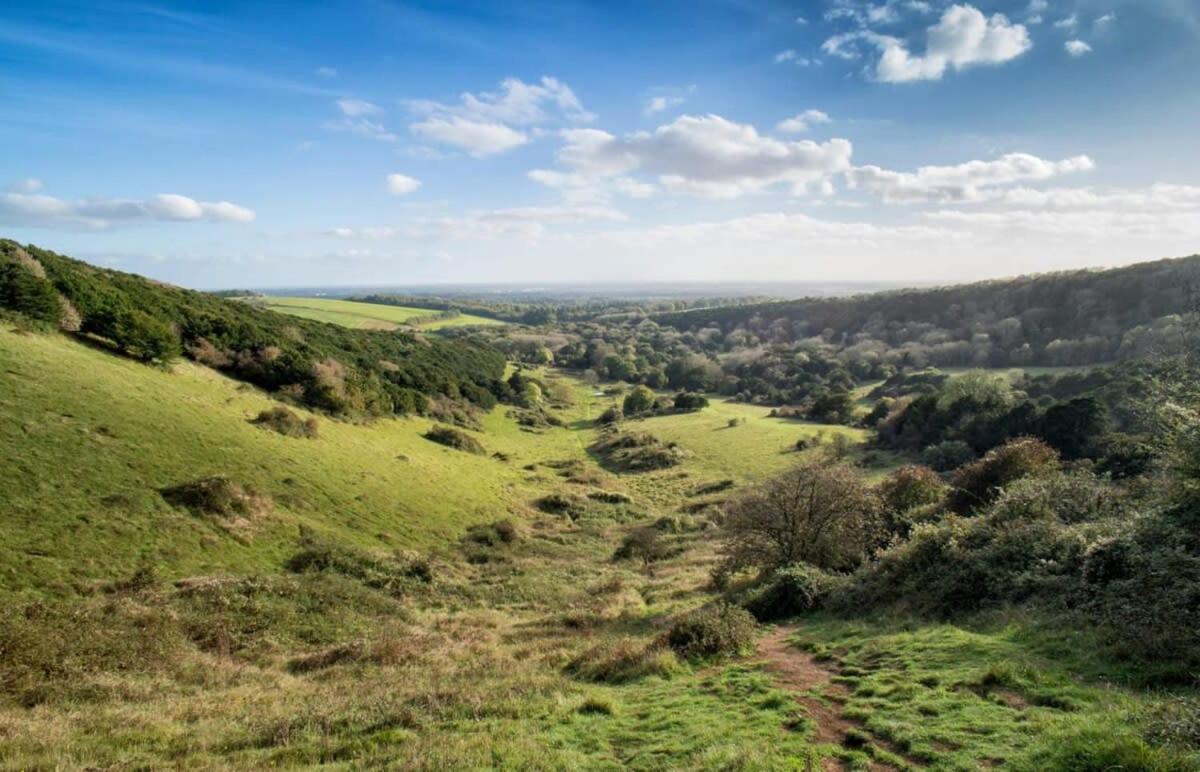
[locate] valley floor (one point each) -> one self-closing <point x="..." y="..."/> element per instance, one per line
<point x="398" y="603"/>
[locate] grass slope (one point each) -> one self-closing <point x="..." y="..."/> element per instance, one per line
<point x="371" y="316"/>
<point x="89" y="437"/>
<point x="246" y="664"/>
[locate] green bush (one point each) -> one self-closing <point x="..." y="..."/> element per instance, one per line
<point x="640" y="400"/>
<point x="686" y="400"/>
<point x="622" y="660"/>
<point x="394" y="574"/>
<point x="454" y="438"/>
<point x="280" y="419"/>
<point x="713" y="631"/>
<point x="947" y="455"/>
<point x="977" y="484"/>
<point x="790" y="591"/>
<point x="217" y="497"/>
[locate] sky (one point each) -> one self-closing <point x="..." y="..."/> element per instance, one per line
<point x="355" y="142"/>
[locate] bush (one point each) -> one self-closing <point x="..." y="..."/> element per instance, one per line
<point x="643" y="544"/>
<point x="640" y="400"/>
<point x="714" y="631"/>
<point x="217" y="497"/>
<point x="816" y="512"/>
<point x="280" y="419"/>
<point x="636" y="452"/>
<point x="790" y="591"/>
<point x="560" y="504"/>
<point x="394" y="574"/>
<point x="979" y="483"/>
<point x="623" y="660"/>
<point x="611" y="416"/>
<point x="454" y="438"/>
<point x="947" y="455"/>
<point x="686" y="400"/>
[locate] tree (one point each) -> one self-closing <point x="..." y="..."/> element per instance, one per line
<point x="832" y="407"/>
<point x="1076" y="428"/>
<point x="815" y="512"/>
<point x="640" y="400"/>
<point x="23" y="291"/>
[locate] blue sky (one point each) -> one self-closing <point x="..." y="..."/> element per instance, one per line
<point x="254" y="144"/>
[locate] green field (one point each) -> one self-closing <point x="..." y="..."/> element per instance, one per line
<point x="368" y="316"/>
<point x="134" y="633"/>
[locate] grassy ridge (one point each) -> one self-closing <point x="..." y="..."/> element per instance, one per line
<point x="91" y="436"/>
<point x="369" y="316"/>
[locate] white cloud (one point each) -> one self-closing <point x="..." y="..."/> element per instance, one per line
<point x="1160" y="197"/>
<point x="475" y="137"/>
<point x="659" y="104"/>
<point x="516" y="103"/>
<point x="530" y="222"/>
<point x="355" y="120"/>
<point x="706" y="155"/>
<point x="801" y="20"/>
<point x="1067" y="23"/>
<point x="482" y="124"/>
<point x="961" y="183"/>
<point x="1107" y="18"/>
<point x="1033" y="14"/>
<point x="42" y="211"/>
<point x="802" y="122"/>
<point x="401" y="184"/>
<point x="355" y="108"/>
<point x="791" y="55"/>
<point x="583" y="189"/>
<point x="962" y="38"/>
<point x="1077" y="48"/>
<point x="326" y="72"/>
<point x="27" y="185"/>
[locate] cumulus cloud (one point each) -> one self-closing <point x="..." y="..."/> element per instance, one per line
<point x="802" y="122"/>
<point x="963" y="37"/>
<point x="43" y="211"/>
<point x="961" y="183"/>
<point x="706" y="155"/>
<point x="401" y="184"/>
<point x="1077" y="48"/>
<point x="493" y="122"/>
<point x="476" y="138"/>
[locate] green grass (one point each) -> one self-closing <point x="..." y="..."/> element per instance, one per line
<point x="223" y="657"/>
<point x="87" y="438"/>
<point x="349" y="313"/>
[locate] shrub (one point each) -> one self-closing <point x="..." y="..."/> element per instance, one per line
<point x="790" y="591"/>
<point x="217" y="497"/>
<point x="643" y="544"/>
<point x="947" y="455"/>
<point x="560" y="504"/>
<point x="24" y="291"/>
<point x="623" y="660"/>
<point x="640" y="400"/>
<point x="816" y="512"/>
<point x="910" y="487"/>
<point x="394" y="574"/>
<point x="721" y="630"/>
<point x="611" y="416"/>
<point x="454" y="438"/>
<point x="686" y="400"/>
<point x="280" y="419"/>
<point x="979" y="483"/>
<point x="636" y="451"/>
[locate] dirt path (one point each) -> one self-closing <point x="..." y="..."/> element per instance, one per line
<point x="801" y="674"/>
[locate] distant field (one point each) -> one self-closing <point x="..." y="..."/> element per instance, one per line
<point x="368" y="316"/>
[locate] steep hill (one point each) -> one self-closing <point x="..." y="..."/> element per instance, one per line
<point x="321" y="365"/>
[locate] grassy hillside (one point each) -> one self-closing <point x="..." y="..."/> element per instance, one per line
<point x="136" y="633"/>
<point x="369" y="316"/>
